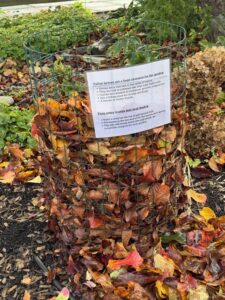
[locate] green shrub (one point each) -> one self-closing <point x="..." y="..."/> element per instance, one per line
<point x="67" y="25"/>
<point x="189" y="14"/>
<point x="15" y="126"/>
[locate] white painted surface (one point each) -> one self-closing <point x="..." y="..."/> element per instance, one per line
<point x="94" y="5"/>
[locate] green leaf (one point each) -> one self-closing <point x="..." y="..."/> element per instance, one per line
<point x="116" y="273"/>
<point x="193" y="163"/>
<point x="221" y="98"/>
<point x="179" y="237"/>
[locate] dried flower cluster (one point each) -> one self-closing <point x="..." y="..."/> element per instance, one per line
<point x="206" y="80"/>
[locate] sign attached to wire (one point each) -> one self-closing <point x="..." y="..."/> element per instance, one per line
<point x="130" y="99"/>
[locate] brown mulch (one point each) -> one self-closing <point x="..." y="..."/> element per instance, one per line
<point x="24" y="233"/>
<point x="214" y="188"/>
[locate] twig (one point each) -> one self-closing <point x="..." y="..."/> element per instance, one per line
<point x="44" y="269"/>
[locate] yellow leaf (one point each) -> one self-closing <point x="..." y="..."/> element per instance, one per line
<point x="4" y="164"/>
<point x="200" y="293"/>
<point x="28" y="153"/>
<point x="36" y="179"/>
<point x="162" y="289"/>
<point x="207" y="213"/>
<point x="26" y="296"/>
<point x="166" y="265"/>
<point x="25" y="174"/>
<point x="201" y="198"/>
<point x="74" y="94"/>
<point x="99" y="148"/>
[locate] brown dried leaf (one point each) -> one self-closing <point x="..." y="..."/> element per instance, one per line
<point x="213" y="165"/>
<point x="152" y="170"/>
<point x="126" y="236"/>
<point x="169" y="134"/>
<point x="99" y="148"/>
<point x="133" y="154"/>
<point x="94" y="195"/>
<point x="16" y="151"/>
<point x="160" y="193"/>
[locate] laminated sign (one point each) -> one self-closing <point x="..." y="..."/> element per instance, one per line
<point x="130" y="99"/>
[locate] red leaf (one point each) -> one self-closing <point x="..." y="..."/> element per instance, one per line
<point x="95" y="222"/>
<point x="34" y="130"/>
<point x="70" y="269"/>
<point x="133" y="259"/>
<point x="152" y="170"/>
<point x="197" y="251"/>
<point x="199" y="238"/>
<point x="200" y="172"/>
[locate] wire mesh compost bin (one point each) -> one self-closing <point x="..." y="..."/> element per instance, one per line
<point x="107" y="193"/>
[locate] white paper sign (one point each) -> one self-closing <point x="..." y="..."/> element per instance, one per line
<point x="130" y="99"/>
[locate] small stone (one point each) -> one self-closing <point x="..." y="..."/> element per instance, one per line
<point x="7" y="100"/>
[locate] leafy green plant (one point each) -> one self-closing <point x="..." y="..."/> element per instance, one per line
<point x="66" y="25"/>
<point x="15" y="125"/>
<point x="65" y="77"/>
<point x="189" y="14"/>
<point x="221" y="98"/>
<point x="133" y="49"/>
<point x="204" y="43"/>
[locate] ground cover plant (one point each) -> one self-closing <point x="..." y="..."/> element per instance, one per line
<point x="14" y="31"/>
<point x="15" y="127"/>
<point x="120" y="208"/>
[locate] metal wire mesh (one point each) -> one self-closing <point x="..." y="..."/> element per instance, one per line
<point x="102" y="179"/>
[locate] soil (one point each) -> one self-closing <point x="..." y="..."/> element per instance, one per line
<point x="214" y="188"/>
<point x="23" y="234"/>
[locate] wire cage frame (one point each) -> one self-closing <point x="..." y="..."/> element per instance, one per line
<point x="96" y="189"/>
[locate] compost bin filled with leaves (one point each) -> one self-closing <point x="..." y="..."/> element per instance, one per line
<point x="109" y="200"/>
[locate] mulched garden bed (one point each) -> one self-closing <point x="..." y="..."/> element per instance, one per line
<point x="23" y="234"/>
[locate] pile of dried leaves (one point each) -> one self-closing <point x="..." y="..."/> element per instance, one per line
<point x="19" y="165"/>
<point x="206" y="98"/>
<point x="15" y="81"/>
<point x="110" y="200"/>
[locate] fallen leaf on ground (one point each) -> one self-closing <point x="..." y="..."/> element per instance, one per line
<point x="63" y="295"/>
<point x="134" y="154"/>
<point x="133" y="259"/>
<point x="165" y="264"/>
<point x="207" y="213"/>
<point x="99" y="148"/>
<point x="7" y="177"/>
<point x="95" y="222"/>
<point x="162" y="289"/>
<point x="26" y="296"/>
<point x="160" y="193"/>
<point x="4" y="164"/>
<point x="200" y="293"/>
<point x="26" y="281"/>
<point x="213" y="165"/>
<point x="36" y="179"/>
<point x="201" y="198"/>
<point x="16" y="151"/>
